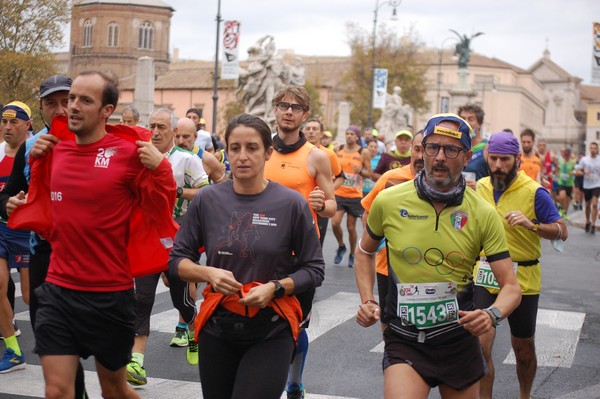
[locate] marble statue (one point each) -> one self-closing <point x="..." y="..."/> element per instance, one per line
<point x="266" y="74"/>
<point x="395" y="116"/>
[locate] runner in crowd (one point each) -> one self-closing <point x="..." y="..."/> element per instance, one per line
<point x="14" y="244"/>
<point x="190" y="176"/>
<point x="313" y="129"/>
<point x="54" y="99"/>
<point x="297" y="164"/>
<point x="590" y="169"/>
<point x="92" y="313"/>
<point x="356" y="165"/>
<point x="528" y="215"/>
<point x="431" y="277"/>
<point x="262" y="249"/>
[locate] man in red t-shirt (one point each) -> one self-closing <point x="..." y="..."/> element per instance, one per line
<point x="86" y="305"/>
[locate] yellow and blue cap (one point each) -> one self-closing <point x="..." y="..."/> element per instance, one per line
<point x="16" y="109"/>
<point x="463" y="133"/>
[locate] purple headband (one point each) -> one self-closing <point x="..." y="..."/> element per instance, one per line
<point x="355" y="129"/>
<point x="503" y="143"/>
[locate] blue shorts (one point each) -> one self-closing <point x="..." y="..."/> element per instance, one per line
<point x="14" y="246"/>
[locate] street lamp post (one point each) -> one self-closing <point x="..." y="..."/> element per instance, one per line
<point x="216" y="73"/>
<point x="394" y="4"/>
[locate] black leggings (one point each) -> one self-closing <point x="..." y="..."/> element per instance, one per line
<point x="145" y="292"/>
<point x="234" y="370"/>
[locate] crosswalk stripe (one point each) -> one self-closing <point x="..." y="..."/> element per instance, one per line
<point x="30" y="382"/>
<point x="556" y="338"/>
<point x="331" y="312"/>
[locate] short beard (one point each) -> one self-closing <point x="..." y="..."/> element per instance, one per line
<point x="444" y="183"/>
<point x="502" y="184"/>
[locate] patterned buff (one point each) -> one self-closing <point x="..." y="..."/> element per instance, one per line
<point x="427" y="192"/>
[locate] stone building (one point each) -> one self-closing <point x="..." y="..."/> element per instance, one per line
<point x="110" y="35"/>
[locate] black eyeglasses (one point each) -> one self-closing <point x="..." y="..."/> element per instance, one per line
<point x="450" y="151"/>
<point x="296" y="108"/>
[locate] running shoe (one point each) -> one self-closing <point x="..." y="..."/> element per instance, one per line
<point x="192" y="352"/>
<point x="588" y="225"/>
<point x="136" y="374"/>
<point x="17" y="331"/>
<point x="297" y="392"/>
<point x="593" y="230"/>
<point x="351" y="260"/>
<point x="339" y="255"/>
<point x="11" y="361"/>
<point x="181" y="338"/>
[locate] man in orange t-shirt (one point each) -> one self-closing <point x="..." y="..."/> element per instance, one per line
<point x="387" y="180"/>
<point x="313" y="130"/>
<point x="530" y="163"/>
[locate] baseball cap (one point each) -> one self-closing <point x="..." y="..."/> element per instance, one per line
<point x="463" y="133"/>
<point x="202" y="121"/>
<point x="55" y="83"/>
<point x="403" y="133"/>
<point x="16" y="109"/>
<point x="328" y="133"/>
<point x="503" y="143"/>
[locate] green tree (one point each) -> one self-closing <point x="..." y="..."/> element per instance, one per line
<point x="29" y="31"/>
<point x="401" y="56"/>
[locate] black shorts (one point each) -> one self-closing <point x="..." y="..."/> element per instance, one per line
<point x="98" y="324"/>
<point x="568" y="190"/>
<point x="350" y="205"/>
<point x="457" y="363"/>
<point x="592" y="192"/>
<point x="579" y="182"/>
<point x="522" y="320"/>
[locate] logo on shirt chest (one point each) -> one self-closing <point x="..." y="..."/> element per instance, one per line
<point x="103" y="157"/>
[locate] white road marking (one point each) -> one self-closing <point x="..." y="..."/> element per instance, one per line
<point x="556" y="338"/>
<point x="30" y="382"/>
<point x="331" y="312"/>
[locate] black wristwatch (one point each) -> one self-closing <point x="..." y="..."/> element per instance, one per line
<point x="495" y="314"/>
<point x="279" y="290"/>
<point x="179" y="192"/>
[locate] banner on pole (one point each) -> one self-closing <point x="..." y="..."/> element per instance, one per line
<point x="596" y="54"/>
<point x="380" y="93"/>
<point x="230" y="67"/>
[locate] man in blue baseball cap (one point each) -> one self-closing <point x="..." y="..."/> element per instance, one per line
<point x="434" y="228"/>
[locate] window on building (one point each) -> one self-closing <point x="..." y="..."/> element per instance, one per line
<point x="113" y="34"/>
<point x="444" y="105"/>
<point x="146" y="35"/>
<point x="87" y="33"/>
<point x="597" y="135"/>
<point x="598" y="116"/>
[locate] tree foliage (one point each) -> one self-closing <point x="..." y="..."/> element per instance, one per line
<point x="29" y="31"/>
<point x="401" y="56"/>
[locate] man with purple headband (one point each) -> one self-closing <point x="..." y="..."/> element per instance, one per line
<point x="528" y="215"/>
<point x="435" y="227"/>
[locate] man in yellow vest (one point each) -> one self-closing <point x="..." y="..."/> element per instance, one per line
<point x="528" y="215"/>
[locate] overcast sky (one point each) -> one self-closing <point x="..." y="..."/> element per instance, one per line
<point x="516" y="31"/>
